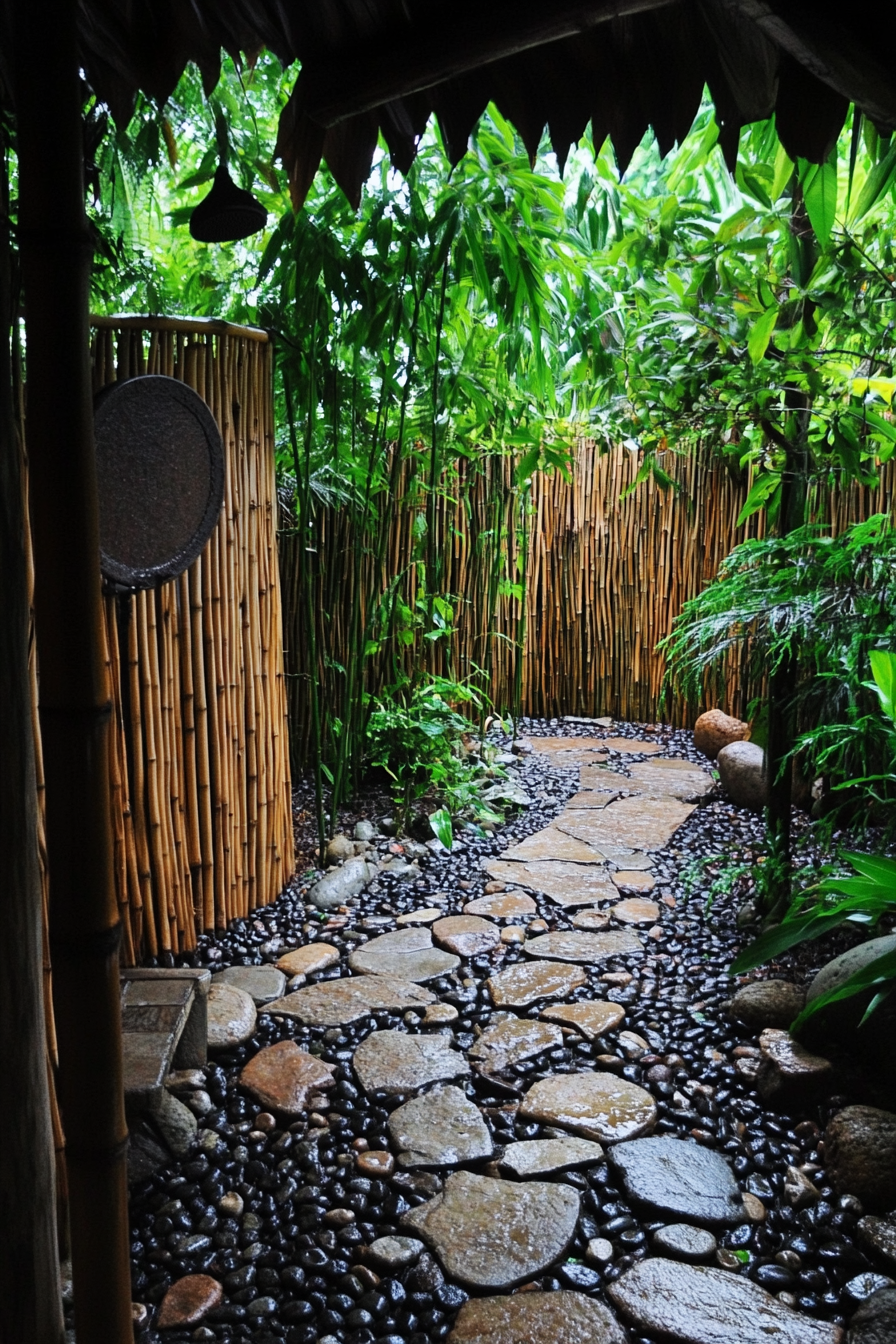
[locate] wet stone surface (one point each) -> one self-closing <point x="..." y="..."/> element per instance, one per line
<point x="298" y="1219"/>
<point x="674" y="1177"/>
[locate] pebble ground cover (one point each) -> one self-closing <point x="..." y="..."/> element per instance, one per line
<point x="457" y="1171"/>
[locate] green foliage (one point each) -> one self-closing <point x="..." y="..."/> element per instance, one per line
<point x="830" y="604"/>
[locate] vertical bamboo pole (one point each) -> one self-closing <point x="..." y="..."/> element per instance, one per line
<point x="85" y="929"/>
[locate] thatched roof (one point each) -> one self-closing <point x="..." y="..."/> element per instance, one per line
<point x="388" y="65"/>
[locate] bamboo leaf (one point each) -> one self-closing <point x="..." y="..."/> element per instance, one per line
<point x="761" y="334"/>
<point x="819" y="184"/>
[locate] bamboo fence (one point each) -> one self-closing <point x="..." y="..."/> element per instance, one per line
<point x="606" y="573"/>
<point x="200" y="778"/>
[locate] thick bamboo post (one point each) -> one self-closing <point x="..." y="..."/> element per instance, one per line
<point x="85" y="931"/>
<point x="30" y="1301"/>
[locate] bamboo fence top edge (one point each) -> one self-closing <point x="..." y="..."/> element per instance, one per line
<point x="198" y="326"/>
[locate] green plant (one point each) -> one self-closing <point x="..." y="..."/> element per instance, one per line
<point x="863" y="897"/>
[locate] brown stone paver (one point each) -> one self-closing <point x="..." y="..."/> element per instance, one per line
<point x="634" y="881"/>
<point x="561" y="1317"/>
<point x="591" y="1017"/>
<point x="597" y="1105"/>
<point x="281" y="1077"/>
<point x="306" y="960"/>
<point x="393" y="1061"/>
<point x="551" y="746"/>
<point x="636" y="910"/>
<point x="591" y="920"/>
<point x="670" y="778"/>
<point x="637" y="823"/>
<point x="507" y="905"/>
<point x="589" y="949"/>
<point x="407" y="953"/>
<point x="466" y="935"/>
<point x="553" y="843"/>
<point x="335" y="1003"/>
<point x="591" y="799"/>
<point x="526" y="983"/>
<point x="569" y="884"/>
<point x="632" y="746"/>
<point x="514" y="1040"/>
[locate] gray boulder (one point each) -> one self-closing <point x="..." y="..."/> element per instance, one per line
<point x="875" y="1320"/>
<point x="743" y="775"/>
<point x="860" y="1156"/>
<point x="341" y="884"/>
<point x="767" y="1003"/>
<point x="838" y="1024"/>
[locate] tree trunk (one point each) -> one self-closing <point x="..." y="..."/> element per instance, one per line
<point x="30" y="1301"/>
<point x="75" y="710"/>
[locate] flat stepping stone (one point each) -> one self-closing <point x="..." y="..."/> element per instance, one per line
<point x="552" y="746"/>
<point x="569" y="884"/>
<point x="428" y="915"/>
<point x="336" y="1003"/>
<point x="695" y="1304"/>
<point x="263" y="984"/>
<point x="634" y="881"/>
<point x="281" y="1078"/>
<point x="466" y="935"/>
<point x="590" y="1017"/>
<point x="309" y="959"/>
<point x="684" y="1242"/>
<point x="508" y="905"/>
<point x="440" y="1129"/>
<point x="508" y="1043"/>
<point x="591" y="800"/>
<point x="636" y="910"/>
<point x="632" y="746"/>
<point x="439" y="1014"/>
<point x="589" y="949"/>
<point x="519" y="986"/>
<point x="490" y="1233"/>
<point x="393" y="1061"/>
<point x="561" y="1317"/>
<point x="638" y="823"/>
<point x="553" y="843"/>
<point x="407" y="954"/>
<point x="674" y="1176"/>
<point x="597" y="1105"/>
<point x="671" y="778"/>
<point x="539" y="1157"/>
<point x="592" y="921"/>
<point x="231" y="1017"/>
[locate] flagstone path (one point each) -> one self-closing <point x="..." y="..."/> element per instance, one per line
<point x="477" y="1199"/>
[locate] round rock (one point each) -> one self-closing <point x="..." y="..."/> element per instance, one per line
<point x="767" y="1003"/>
<point x="742" y="772"/>
<point x="466" y="935"/>
<point x="189" y="1300"/>
<point x="407" y="954"/>
<point x="715" y="730"/>
<point x="597" y="1105"/>
<point x="684" y="1242"/>
<point x="538" y="1318"/>
<point x="389" y="1254"/>
<point x="231" y="1017"/>
<point x="490" y="1233"/>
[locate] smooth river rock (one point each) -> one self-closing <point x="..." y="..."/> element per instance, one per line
<point x="589" y="949"/>
<point x="231" y="1017"/>
<point x="519" y="986"/>
<point x="407" y="953"/>
<point x="393" y="1061"/>
<point x="188" y="1300"/>
<point x="715" y="729"/>
<point x="466" y="935"/>
<point x="592" y="921"/>
<point x="569" y="884"/>
<point x="261" y="983"/>
<point x="767" y="1003"/>
<point x="341" y="884"/>
<point x="540" y="1157"/>
<point x="490" y="1233"/>
<point x="695" y="1304"/>
<point x="536" y="1318"/>
<point x="684" y="1242"/>
<point x="507" y="1043"/>
<point x="678" y="1177"/>
<point x="335" y="1003"/>
<point x="440" y="1129"/>
<point x="597" y="1105"/>
<point x="743" y="775"/>
<point x="860" y="1156"/>
<point x="789" y="1075"/>
<point x="281" y="1077"/>
<point x="590" y="1017"/>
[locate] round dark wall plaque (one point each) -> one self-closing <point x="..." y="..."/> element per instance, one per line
<point x="160" y="478"/>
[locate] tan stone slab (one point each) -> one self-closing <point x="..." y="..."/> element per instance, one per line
<point x="281" y="1077"/>
<point x="568" y="884"/>
<point x="440" y="1129"/>
<point x="508" y="1043"/>
<point x="466" y="935"/>
<point x="407" y="954"/>
<point x="552" y="843"/>
<point x="634" y="881"/>
<point x="335" y="1003"/>
<point x="676" y="779"/>
<point x="591" y="799"/>
<point x="519" y="986"/>
<point x="428" y="915"/>
<point x="628" y="859"/>
<point x="598" y="1105"/>
<point x="599" y="779"/>
<point x="591" y="920"/>
<point x="306" y="960"/>
<point x="591" y="1017"/>
<point x="588" y="949"/>
<point x="541" y="1157"/>
<point x="561" y="1317"/>
<point x="393" y="1061"/>
<point x="508" y="905"/>
<point x="550" y="746"/>
<point x="632" y="745"/>
<point x="490" y="1233"/>
<point x="636" y="910"/>
<point x="638" y="823"/>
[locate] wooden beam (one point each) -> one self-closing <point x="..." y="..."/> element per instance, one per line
<point x="75" y="709"/>
<point x="441" y="44"/>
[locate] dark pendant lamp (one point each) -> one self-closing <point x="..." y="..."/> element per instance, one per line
<point x="227" y="213"/>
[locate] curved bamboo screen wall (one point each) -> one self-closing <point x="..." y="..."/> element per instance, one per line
<point x="201" y="793"/>
<point x="606" y="574"/>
